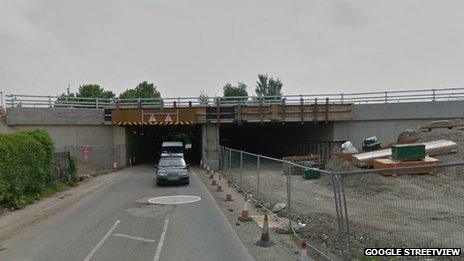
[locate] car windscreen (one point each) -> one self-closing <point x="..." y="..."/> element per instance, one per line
<point x="173" y="149"/>
<point x="171" y="162"/>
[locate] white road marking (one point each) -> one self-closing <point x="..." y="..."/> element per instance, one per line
<point x="174" y="200"/>
<point x="135" y="238"/>
<point x="161" y="241"/>
<point x="94" y="250"/>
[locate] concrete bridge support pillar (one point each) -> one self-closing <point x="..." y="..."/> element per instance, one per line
<point x="210" y="145"/>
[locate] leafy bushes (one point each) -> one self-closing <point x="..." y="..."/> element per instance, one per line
<point x="25" y="165"/>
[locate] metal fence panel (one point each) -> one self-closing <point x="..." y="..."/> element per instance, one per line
<point x="344" y="213"/>
<point x="405" y="210"/>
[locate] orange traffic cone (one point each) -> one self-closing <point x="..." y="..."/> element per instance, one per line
<point x="265" y="240"/>
<point x="219" y="188"/>
<point x="303" y="251"/>
<point x="229" y="192"/>
<point x="245" y="216"/>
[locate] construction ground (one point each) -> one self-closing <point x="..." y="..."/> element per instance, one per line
<point x="383" y="211"/>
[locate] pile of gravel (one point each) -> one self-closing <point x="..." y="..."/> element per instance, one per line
<point x="339" y="165"/>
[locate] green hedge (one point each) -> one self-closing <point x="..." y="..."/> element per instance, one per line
<point x="26" y="163"/>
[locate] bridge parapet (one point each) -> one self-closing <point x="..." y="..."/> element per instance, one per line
<point x="423" y="95"/>
<point x="30" y="109"/>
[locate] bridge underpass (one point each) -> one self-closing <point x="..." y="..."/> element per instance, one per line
<point x="270" y="129"/>
<point x="291" y="125"/>
<point x="145" y="141"/>
<point x="280" y="140"/>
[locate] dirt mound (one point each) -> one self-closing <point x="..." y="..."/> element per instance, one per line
<point x="455" y="135"/>
<point x="339" y="165"/>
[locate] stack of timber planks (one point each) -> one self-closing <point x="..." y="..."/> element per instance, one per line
<point x="365" y="160"/>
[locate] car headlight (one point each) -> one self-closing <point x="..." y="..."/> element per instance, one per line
<point x="161" y="174"/>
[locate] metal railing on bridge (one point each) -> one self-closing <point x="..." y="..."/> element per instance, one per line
<point x="424" y="95"/>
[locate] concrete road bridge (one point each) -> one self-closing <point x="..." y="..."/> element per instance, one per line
<point x="275" y="126"/>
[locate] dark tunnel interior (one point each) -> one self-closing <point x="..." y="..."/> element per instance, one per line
<point x="145" y="142"/>
<point x="269" y="139"/>
<point x="279" y="140"/>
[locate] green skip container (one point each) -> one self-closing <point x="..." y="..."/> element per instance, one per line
<point x="408" y="152"/>
<point x="311" y="174"/>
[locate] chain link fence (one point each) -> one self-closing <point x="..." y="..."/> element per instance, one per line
<point x="93" y="159"/>
<point x="343" y="213"/>
<point x="388" y="208"/>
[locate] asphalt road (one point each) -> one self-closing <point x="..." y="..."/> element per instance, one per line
<point x="115" y="223"/>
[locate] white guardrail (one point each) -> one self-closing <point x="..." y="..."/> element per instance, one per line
<point x="426" y="95"/>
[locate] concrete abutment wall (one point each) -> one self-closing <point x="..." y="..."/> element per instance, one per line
<point x="72" y="130"/>
<point x="387" y="120"/>
<point x="210" y="145"/>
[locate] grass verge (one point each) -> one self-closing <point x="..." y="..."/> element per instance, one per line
<point x="49" y="190"/>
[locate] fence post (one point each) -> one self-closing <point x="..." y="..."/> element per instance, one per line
<point x="386" y="97"/>
<point x="289" y="195"/>
<point x="96" y="102"/>
<point x="50" y="101"/>
<point x="433" y="94"/>
<point x="224" y="153"/>
<point x="342" y="98"/>
<point x="258" y="166"/>
<point x="342" y="217"/>
<point x="230" y="158"/>
<point x="226" y="159"/>
<point x="241" y="167"/>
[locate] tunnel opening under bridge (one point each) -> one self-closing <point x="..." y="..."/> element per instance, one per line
<point x="281" y="140"/>
<point x="145" y="142"/>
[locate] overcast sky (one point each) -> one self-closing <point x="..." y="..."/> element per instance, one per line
<point x="184" y="47"/>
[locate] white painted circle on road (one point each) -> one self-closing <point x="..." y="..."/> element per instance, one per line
<point x="174" y="200"/>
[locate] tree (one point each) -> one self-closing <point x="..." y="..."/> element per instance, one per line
<point x="85" y="91"/>
<point x="64" y="99"/>
<point x="203" y="99"/>
<point x="143" y="90"/>
<point x="235" y="91"/>
<point x="94" y="91"/>
<point x="266" y="86"/>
